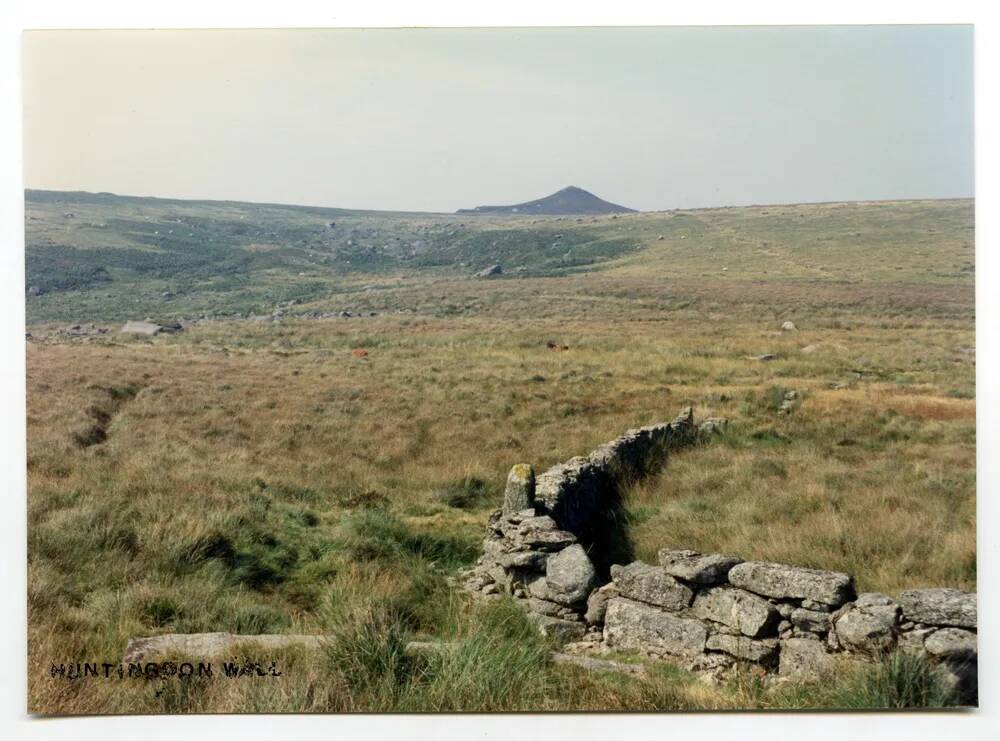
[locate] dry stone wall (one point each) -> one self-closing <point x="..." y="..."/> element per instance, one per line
<point x="560" y="548"/>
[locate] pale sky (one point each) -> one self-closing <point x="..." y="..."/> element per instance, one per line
<point x="435" y="120"/>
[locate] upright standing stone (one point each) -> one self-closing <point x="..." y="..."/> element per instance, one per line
<point x="520" y="492"/>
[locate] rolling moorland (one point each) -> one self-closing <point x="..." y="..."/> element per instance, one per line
<point x="258" y="472"/>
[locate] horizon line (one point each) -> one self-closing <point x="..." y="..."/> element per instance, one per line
<point x="471" y="212"/>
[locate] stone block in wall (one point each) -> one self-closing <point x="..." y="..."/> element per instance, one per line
<point x="803" y="658"/>
<point x="810" y="621"/>
<point x="950" y="642"/>
<point x="962" y="675"/>
<point x="530" y="560"/>
<point x="938" y="606"/>
<point x="552" y="609"/>
<point x="793" y="582"/>
<point x="574" y="492"/>
<point x="561" y="630"/>
<point x="785" y="609"/>
<point x="868" y="627"/>
<point x="570" y="574"/>
<point x="540" y="533"/>
<point x="912" y="640"/>
<point x="597" y="603"/>
<point x="763" y="651"/>
<point x="751" y="615"/>
<point x="652" y="585"/>
<point x="538" y="587"/>
<point x="696" y="567"/>
<point x="519" y="493"/>
<point x="637" y="626"/>
<point x="956" y="653"/>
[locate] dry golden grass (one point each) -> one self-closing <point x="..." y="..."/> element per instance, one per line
<point x="264" y="478"/>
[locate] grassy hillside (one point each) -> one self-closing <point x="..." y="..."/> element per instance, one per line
<point x="260" y="477"/>
<point x="108" y="258"/>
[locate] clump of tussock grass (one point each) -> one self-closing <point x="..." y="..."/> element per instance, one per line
<point x="900" y="681"/>
<point x="467" y="492"/>
<point x="496" y="661"/>
<point x="903" y="680"/>
<point x="379" y="535"/>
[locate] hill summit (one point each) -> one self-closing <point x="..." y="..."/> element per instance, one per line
<point x="569" y="200"/>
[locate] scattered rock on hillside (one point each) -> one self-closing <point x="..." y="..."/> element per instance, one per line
<point x="493" y="271"/>
<point x="788" y="327"/>
<point x="79" y="331"/>
<point x="713" y="426"/>
<point x="788" y="401"/>
<point x="149" y="329"/>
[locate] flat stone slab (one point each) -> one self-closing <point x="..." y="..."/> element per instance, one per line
<point x="533" y="560"/>
<point x="637" y="626"/>
<point x="652" y="585"/>
<point x="599" y="665"/>
<point x="762" y="652"/>
<point x="696" y="567"/>
<point x="793" y="582"/>
<point x="205" y="645"/>
<point x="939" y="606"/>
